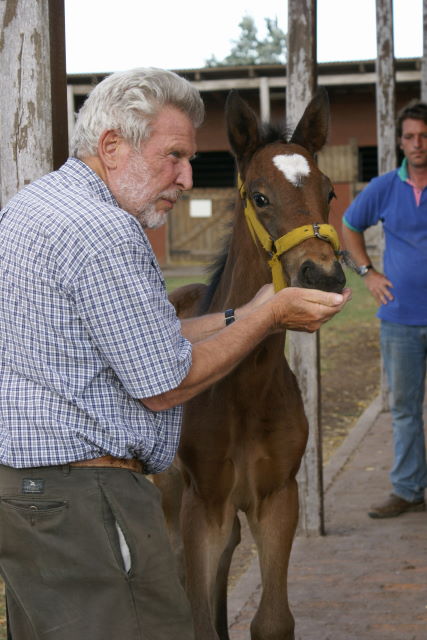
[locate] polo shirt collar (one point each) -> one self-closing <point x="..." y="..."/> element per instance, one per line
<point x="402" y="171"/>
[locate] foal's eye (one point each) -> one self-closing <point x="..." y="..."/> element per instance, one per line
<point x="331" y="195"/>
<point x="260" y="199"/>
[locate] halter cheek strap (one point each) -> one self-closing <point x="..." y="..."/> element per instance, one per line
<point x="275" y="248"/>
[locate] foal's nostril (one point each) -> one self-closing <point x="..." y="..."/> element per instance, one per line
<point x="314" y="276"/>
<point x="308" y="273"/>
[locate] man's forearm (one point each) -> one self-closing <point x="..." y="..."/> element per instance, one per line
<point x="215" y="356"/>
<point x="202" y="327"/>
<point x="354" y="242"/>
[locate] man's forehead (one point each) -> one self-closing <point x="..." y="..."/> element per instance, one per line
<point x="172" y="126"/>
<point x="171" y="117"/>
<point x="412" y="125"/>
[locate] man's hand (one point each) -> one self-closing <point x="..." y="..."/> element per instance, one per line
<point x="379" y="286"/>
<point x="306" y="309"/>
<point x="261" y="297"/>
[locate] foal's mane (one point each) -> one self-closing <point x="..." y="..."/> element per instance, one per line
<point x="269" y="133"/>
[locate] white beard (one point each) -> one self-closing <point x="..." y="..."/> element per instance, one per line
<point x="150" y="218"/>
<point x="133" y="194"/>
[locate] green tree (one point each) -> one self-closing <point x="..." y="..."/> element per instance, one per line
<point x="248" y="49"/>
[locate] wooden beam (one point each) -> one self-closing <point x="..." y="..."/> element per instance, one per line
<point x="385" y="88"/>
<point x="302" y="57"/>
<point x="58" y="80"/>
<point x="424" y="58"/>
<point x="386" y="118"/>
<point x="275" y="82"/>
<point x="264" y="99"/>
<point x="33" y="91"/>
<point x="304" y="347"/>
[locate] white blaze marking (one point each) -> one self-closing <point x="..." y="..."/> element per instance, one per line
<point x="293" y="166"/>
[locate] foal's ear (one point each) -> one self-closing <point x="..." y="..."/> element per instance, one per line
<point x="312" y="130"/>
<point x="242" y="128"/>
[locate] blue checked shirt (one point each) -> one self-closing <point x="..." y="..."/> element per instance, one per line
<point x="85" y="329"/>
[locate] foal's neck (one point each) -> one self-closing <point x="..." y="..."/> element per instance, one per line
<point x="246" y="270"/>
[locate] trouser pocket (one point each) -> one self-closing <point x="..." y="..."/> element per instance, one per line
<point x="38" y="512"/>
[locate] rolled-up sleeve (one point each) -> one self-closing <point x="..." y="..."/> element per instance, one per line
<point x="365" y="210"/>
<point x="122" y="305"/>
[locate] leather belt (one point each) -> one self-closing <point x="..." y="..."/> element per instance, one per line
<point x="110" y="462"/>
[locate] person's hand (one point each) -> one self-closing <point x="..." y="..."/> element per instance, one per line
<point x="262" y="296"/>
<point x="379" y="286"/>
<point x="305" y="309"/>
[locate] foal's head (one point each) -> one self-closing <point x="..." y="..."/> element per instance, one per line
<point x="285" y="189"/>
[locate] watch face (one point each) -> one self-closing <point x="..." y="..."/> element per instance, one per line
<point x="363" y="269"/>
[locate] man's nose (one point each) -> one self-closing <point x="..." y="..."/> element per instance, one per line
<point x="185" y="176"/>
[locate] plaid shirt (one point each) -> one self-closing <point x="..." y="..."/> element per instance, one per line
<point x="85" y="329"/>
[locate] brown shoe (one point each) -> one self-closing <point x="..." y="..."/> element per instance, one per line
<point x="394" y="506"/>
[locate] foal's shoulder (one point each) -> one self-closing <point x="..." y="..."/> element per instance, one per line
<point x="186" y="299"/>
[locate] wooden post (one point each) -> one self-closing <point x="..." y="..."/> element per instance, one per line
<point x="303" y="347"/>
<point x="385" y="88"/>
<point x="264" y="99"/>
<point x="386" y="116"/>
<point x="33" y="83"/>
<point x="424" y="59"/>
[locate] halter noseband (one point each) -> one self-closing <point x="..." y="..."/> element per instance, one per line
<point x="275" y="248"/>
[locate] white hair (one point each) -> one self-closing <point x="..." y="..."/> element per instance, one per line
<point x="128" y="101"/>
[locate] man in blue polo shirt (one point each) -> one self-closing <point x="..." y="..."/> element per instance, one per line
<point x="399" y="200"/>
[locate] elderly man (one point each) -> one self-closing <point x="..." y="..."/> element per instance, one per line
<point x="95" y="366"/>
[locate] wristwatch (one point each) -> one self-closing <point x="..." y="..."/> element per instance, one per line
<point x="363" y="269"/>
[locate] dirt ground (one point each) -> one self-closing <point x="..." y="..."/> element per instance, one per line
<point x="350" y="380"/>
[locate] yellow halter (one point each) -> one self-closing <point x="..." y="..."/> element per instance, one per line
<point x="275" y="248"/>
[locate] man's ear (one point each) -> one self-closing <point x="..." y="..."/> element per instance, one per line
<point x="108" y="147"/>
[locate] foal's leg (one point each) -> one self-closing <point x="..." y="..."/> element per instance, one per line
<point x="273" y="525"/>
<point x="209" y="534"/>
<point x="221" y="588"/>
<point x="171" y="486"/>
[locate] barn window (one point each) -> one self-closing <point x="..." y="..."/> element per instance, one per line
<point x="213" y="169"/>
<point x="368" y="163"/>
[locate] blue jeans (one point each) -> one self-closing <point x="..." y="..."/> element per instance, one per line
<point x="404" y="351"/>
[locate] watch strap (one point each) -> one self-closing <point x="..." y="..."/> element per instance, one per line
<point x="229" y="316"/>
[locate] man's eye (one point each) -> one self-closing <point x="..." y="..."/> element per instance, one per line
<point x="260" y="200"/>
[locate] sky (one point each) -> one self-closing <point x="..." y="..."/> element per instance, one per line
<point x="112" y="35"/>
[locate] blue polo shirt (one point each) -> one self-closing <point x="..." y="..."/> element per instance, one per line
<point x="391" y="200"/>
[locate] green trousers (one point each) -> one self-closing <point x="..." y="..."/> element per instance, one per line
<point x="61" y="557"/>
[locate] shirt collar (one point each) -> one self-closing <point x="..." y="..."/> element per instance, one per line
<point x="402" y="171"/>
<point x="76" y="169"/>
